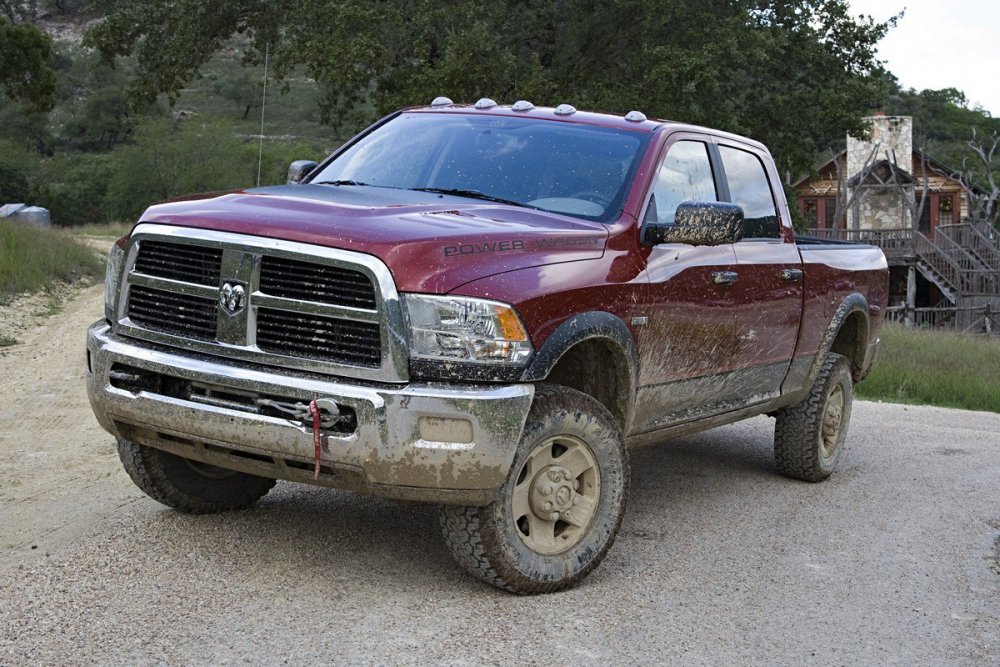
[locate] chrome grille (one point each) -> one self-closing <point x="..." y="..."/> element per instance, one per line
<point x="294" y="279"/>
<point x="318" y="337"/>
<point x="172" y="312"/>
<point x="305" y="307"/>
<point x="180" y="261"/>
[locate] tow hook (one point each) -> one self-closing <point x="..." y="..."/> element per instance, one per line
<point x="329" y="413"/>
<point x="320" y="413"/>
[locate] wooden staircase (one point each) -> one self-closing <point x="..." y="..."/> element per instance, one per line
<point x="962" y="260"/>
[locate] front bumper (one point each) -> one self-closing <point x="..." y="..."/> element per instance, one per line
<point x="432" y="442"/>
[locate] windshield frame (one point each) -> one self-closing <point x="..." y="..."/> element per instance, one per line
<point x="611" y="213"/>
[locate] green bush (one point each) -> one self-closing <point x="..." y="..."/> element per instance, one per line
<point x="277" y="155"/>
<point x="17" y="167"/>
<point x="169" y="158"/>
<point x="73" y="187"/>
<point x="173" y="158"/>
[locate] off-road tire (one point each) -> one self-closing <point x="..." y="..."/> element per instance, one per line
<point x="799" y="437"/>
<point x="176" y="482"/>
<point x="485" y="540"/>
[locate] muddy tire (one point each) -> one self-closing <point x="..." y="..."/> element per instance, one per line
<point x="809" y="436"/>
<point x="558" y="511"/>
<point x="189" y="486"/>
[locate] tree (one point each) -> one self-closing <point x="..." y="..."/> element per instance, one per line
<point x="25" y="74"/>
<point x="946" y="119"/>
<point x="170" y="158"/>
<point x="983" y="191"/>
<point x="782" y="71"/>
<point x="15" y="184"/>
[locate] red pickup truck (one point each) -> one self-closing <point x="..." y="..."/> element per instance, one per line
<point x="485" y="307"/>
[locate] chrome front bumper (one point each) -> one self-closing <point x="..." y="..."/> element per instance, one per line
<point x="432" y="442"/>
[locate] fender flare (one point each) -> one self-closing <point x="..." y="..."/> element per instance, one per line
<point x="852" y="303"/>
<point x="588" y="326"/>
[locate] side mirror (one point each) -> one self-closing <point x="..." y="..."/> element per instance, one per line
<point x="698" y="223"/>
<point x="299" y="170"/>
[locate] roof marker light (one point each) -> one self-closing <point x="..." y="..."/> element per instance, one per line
<point x="522" y="105"/>
<point x="565" y="110"/>
<point x="485" y="103"/>
<point x="635" y="116"/>
<point x="442" y="102"/>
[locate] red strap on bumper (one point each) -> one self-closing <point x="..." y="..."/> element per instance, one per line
<point x="317" y="437"/>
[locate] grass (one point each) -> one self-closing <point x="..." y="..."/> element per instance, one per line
<point x="935" y="368"/>
<point x="33" y="258"/>
<point x="113" y="230"/>
<point x="7" y="341"/>
<point x="52" y="306"/>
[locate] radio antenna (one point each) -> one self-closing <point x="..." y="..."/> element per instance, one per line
<point x="263" y="102"/>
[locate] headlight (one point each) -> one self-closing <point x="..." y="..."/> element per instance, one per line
<point x="112" y="277"/>
<point x="463" y="329"/>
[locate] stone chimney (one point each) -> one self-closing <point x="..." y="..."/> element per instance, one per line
<point x="889" y="135"/>
<point x="882" y="207"/>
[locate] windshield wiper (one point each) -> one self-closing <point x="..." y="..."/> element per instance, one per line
<point x="343" y="181"/>
<point x="471" y="194"/>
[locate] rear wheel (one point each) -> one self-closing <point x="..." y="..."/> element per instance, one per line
<point x="187" y="485"/>
<point x="809" y="436"/>
<point x="559" y="510"/>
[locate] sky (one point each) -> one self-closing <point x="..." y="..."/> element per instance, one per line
<point x="943" y="44"/>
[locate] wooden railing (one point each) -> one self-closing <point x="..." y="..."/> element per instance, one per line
<point x="970" y="319"/>
<point x="922" y="318"/>
<point x="980" y="239"/>
<point x="970" y="274"/>
<point x="895" y="242"/>
<point x="938" y="261"/>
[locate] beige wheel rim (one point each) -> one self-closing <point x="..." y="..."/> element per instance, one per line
<point x="833" y="420"/>
<point x="556" y="495"/>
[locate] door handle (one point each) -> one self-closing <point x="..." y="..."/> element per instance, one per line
<point x="725" y="277"/>
<point x="791" y="275"/>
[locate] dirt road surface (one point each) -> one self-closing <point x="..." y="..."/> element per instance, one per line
<point x="720" y="561"/>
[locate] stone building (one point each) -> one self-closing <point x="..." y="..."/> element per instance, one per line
<point x="944" y="269"/>
<point x="883" y="180"/>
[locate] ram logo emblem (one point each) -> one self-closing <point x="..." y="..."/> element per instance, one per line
<point x="233" y="297"/>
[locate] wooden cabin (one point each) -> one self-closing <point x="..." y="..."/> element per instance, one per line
<point x="944" y="267"/>
<point x="947" y="202"/>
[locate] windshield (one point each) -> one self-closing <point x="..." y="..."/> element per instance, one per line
<point x="578" y="170"/>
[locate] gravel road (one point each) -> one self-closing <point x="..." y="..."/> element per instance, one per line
<point x="720" y="561"/>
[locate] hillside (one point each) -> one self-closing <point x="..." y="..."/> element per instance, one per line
<point x="97" y="157"/>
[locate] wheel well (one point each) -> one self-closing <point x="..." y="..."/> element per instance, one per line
<point x="852" y="340"/>
<point x="599" y="369"/>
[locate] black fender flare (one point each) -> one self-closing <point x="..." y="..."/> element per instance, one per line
<point x="592" y="325"/>
<point x="852" y="303"/>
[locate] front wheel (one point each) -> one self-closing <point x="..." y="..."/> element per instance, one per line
<point x="190" y="486"/>
<point x="559" y="510"/>
<point x="809" y="436"/>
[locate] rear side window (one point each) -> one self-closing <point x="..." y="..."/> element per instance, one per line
<point x="750" y="189"/>
<point x="684" y="175"/>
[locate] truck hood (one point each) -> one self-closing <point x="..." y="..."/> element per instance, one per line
<point x="430" y="242"/>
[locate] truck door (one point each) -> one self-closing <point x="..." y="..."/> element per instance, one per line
<point x="768" y="290"/>
<point x="686" y="344"/>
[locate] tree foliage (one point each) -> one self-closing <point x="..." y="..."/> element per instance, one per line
<point x="787" y="72"/>
<point x="944" y="119"/>
<point x="25" y="74"/>
<point x="170" y="158"/>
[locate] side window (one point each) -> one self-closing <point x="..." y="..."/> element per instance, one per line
<point x="750" y="189"/>
<point x="686" y="174"/>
